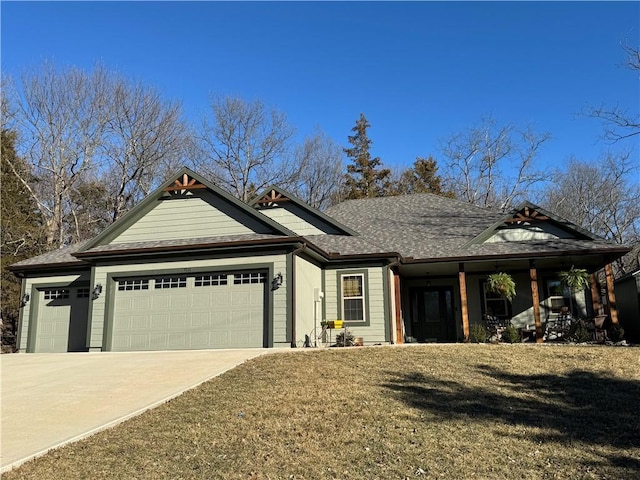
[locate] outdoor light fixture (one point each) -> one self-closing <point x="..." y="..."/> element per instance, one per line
<point x="276" y="283"/>
<point x="24" y="300"/>
<point x="97" y="290"/>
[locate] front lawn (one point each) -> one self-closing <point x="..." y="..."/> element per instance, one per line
<point x="431" y="411"/>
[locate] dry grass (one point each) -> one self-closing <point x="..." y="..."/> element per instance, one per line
<point x="433" y="411"/>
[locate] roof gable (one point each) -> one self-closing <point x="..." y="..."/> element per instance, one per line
<point x="187" y="206"/>
<point x="529" y="222"/>
<point x="297" y="215"/>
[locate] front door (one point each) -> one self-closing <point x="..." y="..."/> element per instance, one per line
<point x="432" y="316"/>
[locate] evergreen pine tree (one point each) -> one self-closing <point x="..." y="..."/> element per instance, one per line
<point x="364" y="178"/>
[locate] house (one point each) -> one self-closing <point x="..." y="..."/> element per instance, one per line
<point x="628" y="288"/>
<point x="192" y="267"/>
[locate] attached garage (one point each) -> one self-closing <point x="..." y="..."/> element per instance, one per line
<point x="190" y="311"/>
<point x="61" y="324"/>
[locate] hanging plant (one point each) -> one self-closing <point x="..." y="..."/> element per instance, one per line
<point x="575" y="279"/>
<point x="502" y="284"/>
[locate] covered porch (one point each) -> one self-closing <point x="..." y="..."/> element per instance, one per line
<point x="439" y="301"/>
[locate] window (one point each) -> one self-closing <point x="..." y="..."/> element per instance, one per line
<point x="209" y="280"/>
<point x="244" y="278"/>
<point x="495" y="305"/>
<point x="55" y="294"/>
<point x="558" y="295"/>
<point x="353" y="298"/>
<point x="139" y="284"/>
<point x="171" y="282"/>
<point x="82" y="293"/>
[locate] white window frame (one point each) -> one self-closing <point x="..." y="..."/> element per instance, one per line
<point x="494" y="300"/>
<point x="361" y="297"/>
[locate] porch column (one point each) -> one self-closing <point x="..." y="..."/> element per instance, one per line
<point x="595" y="298"/>
<point x="611" y="294"/>
<point x="398" y="312"/>
<point x="462" y="279"/>
<point x="535" y="298"/>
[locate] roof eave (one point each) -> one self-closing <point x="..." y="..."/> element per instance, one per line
<point x="615" y="252"/>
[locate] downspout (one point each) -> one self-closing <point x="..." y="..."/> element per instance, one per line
<point x="293" y="292"/>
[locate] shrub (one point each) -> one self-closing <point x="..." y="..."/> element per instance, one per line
<point x="616" y="333"/>
<point x="580" y="332"/>
<point x="510" y="334"/>
<point x="342" y="341"/>
<point x="477" y="333"/>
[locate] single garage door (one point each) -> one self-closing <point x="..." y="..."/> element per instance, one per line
<point x="200" y="311"/>
<point x="61" y="325"/>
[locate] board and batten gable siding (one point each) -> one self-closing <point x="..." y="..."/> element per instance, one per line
<point x="200" y="215"/>
<point x="376" y="330"/>
<point x="31" y="286"/>
<point x="308" y="311"/>
<point x="298" y="220"/>
<point x="102" y="307"/>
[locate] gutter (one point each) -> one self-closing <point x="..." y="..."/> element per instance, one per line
<point x="521" y="256"/>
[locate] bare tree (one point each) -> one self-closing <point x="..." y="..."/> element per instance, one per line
<point x="492" y="166"/>
<point x="246" y="146"/>
<point x="60" y="118"/>
<point x="602" y="197"/>
<point x="321" y="170"/>
<point x="145" y="137"/>
<point x="618" y="122"/>
<point x="95" y="142"/>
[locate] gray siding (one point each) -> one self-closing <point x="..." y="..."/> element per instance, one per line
<point x="308" y="279"/>
<point x="374" y="291"/>
<point x="197" y="216"/>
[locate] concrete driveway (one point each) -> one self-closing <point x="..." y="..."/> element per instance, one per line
<point x="52" y="399"/>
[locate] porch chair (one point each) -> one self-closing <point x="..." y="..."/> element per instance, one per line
<point x="599" y="332"/>
<point x="495" y="327"/>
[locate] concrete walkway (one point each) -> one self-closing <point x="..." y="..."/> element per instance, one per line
<point x="49" y="400"/>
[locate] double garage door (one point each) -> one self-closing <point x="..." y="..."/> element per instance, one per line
<point x="199" y="311"/>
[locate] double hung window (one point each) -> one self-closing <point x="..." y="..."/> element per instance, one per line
<point x="353" y="302"/>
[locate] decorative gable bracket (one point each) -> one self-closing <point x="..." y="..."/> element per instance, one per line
<point x="271" y="198"/>
<point x="526" y="215"/>
<point x="182" y="185"/>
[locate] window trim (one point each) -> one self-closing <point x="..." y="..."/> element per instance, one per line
<point x="365" y="294"/>
<point x="507" y="303"/>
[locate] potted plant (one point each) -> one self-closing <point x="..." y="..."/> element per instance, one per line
<point x="502" y="284"/>
<point x="575" y="279"/>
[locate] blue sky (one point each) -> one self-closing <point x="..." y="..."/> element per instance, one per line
<point x="419" y="71"/>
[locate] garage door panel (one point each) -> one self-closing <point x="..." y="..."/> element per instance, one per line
<point x="200" y="319"/>
<point x="61" y="319"/>
<point x="160" y="302"/>
<point x="178" y="301"/>
<point x="220" y="298"/>
<point x="159" y="321"/>
<point x="195" y="312"/>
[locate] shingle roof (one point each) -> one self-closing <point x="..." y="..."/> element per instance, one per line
<point x="420" y="227"/>
<point x="61" y="256"/>
<point x="184" y="242"/>
<point x="427" y="226"/>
